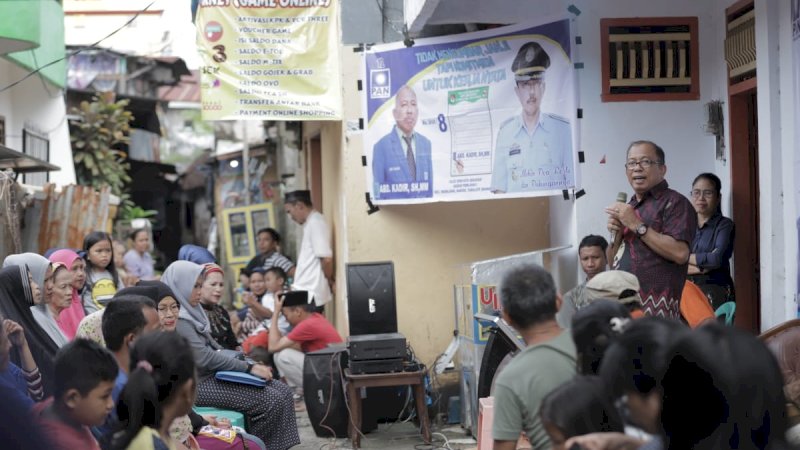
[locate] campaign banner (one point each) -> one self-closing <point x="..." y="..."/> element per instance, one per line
<point x="481" y="115"/>
<point x="270" y="59"/>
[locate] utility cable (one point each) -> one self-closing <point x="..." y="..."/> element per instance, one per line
<point x="75" y="52"/>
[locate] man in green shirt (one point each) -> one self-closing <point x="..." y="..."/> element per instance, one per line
<point x="530" y="303"/>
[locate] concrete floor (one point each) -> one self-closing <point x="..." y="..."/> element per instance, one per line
<point x="396" y="436"/>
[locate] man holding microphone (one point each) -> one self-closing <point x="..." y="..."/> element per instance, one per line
<point x="651" y="233"/>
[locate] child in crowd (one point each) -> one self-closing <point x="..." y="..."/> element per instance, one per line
<point x="576" y="408"/>
<point x="22" y="383"/>
<point x="85" y="374"/>
<point x="102" y="278"/>
<point x="160" y="388"/>
<point x="594" y="328"/>
<point x="119" y="263"/>
<point x="262" y="311"/>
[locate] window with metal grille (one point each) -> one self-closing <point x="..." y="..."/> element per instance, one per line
<point x="37" y="146"/>
<point x="650" y="59"/>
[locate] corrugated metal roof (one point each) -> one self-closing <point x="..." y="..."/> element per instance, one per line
<point x="187" y="90"/>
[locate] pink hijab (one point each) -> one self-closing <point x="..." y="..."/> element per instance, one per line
<point x="71" y="317"/>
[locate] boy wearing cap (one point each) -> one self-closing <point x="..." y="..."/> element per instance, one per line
<point x="534" y="149"/>
<point x="310" y="332"/>
<point x="314" y="270"/>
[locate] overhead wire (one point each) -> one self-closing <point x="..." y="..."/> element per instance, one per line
<point x="76" y="51"/>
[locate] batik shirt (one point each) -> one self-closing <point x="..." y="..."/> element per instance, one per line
<point x="667" y="212"/>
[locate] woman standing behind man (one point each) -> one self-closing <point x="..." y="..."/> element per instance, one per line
<point x="709" y="262"/>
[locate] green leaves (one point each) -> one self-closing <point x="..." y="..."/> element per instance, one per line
<point x="105" y="125"/>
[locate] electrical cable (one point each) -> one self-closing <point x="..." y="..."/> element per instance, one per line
<point x="75" y="52"/>
<point x="347" y="404"/>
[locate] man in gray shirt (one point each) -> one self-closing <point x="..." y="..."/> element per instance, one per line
<point x="530" y="303"/>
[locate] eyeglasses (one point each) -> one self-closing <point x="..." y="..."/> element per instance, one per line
<point x="174" y="308"/>
<point x="529" y="85"/>
<point x="706" y="193"/>
<point x="643" y="163"/>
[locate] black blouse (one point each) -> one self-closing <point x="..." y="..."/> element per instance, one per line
<point x="221" y="328"/>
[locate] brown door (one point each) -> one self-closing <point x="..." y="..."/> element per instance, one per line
<point x="744" y="191"/>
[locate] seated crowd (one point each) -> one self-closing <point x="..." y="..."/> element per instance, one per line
<point x="102" y="361"/>
<point x="617" y="380"/>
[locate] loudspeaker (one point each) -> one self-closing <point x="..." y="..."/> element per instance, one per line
<point x="371" y="307"/>
<point x="498" y="347"/>
<point x="324" y="393"/>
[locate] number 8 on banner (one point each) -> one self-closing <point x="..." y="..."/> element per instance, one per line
<point x="442" y="123"/>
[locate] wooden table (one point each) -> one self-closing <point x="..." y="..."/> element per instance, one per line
<point x="414" y="379"/>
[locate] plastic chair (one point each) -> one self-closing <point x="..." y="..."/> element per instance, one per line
<point x="727" y="311"/>
<point x="236" y="418"/>
<point x="695" y="307"/>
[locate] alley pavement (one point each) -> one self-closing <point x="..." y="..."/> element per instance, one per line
<point x="388" y="436"/>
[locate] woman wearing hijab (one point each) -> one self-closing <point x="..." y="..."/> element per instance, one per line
<point x="71" y="317"/>
<point x="39" y="268"/>
<point x="270" y="409"/>
<point x="16" y="298"/>
<point x="182" y="427"/>
<point x="196" y="254"/>
<point x="57" y="300"/>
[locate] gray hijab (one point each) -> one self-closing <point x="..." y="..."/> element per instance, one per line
<point x="44" y="317"/>
<point x="36" y="263"/>
<point x="181" y="277"/>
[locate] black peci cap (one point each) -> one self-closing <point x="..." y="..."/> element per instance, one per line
<point x="297" y="298"/>
<point x="298" y="196"/>
<point x="530" y="63"/>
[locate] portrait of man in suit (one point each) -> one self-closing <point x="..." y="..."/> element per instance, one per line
<point x="401" y="160"/>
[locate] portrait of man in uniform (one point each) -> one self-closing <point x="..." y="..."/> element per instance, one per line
<point x="533" y="150"/>
<point x="401" y="160"/>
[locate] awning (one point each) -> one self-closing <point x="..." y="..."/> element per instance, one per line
<point x="22" y="163"/>
<point x="419" y="13"/>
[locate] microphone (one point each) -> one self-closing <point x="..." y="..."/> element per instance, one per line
<point x="622" y="197"/>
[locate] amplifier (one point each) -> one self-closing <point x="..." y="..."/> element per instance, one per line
<point x="376" y="346"/>
<point x="376" y="366"/>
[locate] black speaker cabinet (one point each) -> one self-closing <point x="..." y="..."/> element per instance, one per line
<point x="371" y="306"/>
<point x="324" y="393"/>
<point x="498" y="347"/>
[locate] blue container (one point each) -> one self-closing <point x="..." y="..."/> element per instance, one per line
<point x="454" y="410"/>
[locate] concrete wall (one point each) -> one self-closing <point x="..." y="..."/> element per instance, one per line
<point x="39" y="104"/>
<point x="678" y="126"/>
<point x="427" y="243"/>
<point x="777" y="156"/>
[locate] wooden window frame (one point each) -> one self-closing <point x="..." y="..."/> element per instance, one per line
<point x="694" y="90"/>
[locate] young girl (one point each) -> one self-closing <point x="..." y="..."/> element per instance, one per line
<point x="160" y="388"/>
<point x="102" y="279"/>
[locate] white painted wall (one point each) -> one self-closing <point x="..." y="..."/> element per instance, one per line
<point x="776" y="118"/>
<point x="608" y="128"/>
<point x="29" y="102"/>
<point x="678" y="127"/>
